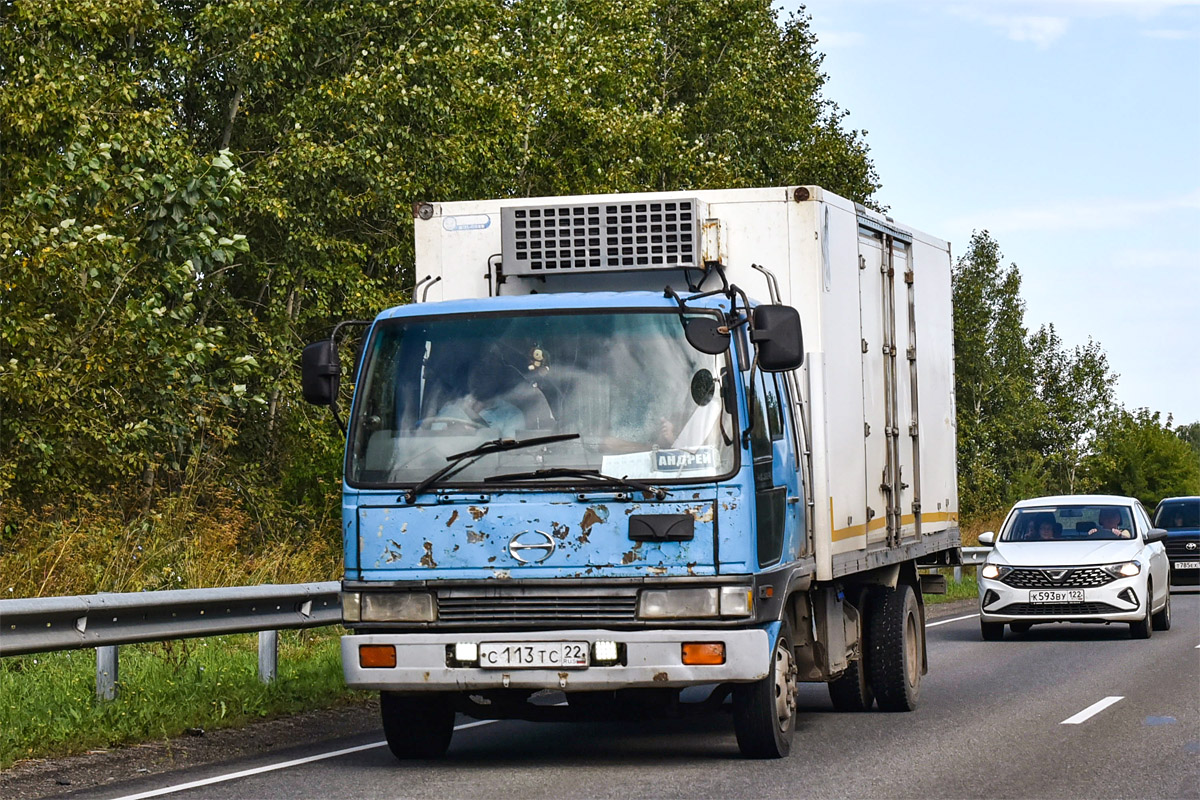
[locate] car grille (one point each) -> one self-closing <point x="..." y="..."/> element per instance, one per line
<point x="1055" y="609"/>
<point x="537" y="605"/>
<point x="1081" y="578"/>
<point x="1177" y="548"/>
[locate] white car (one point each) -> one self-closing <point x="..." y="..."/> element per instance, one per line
<point x="1075" y="558"/>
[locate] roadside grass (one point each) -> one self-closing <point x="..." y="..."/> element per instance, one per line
<point x="48" y="704"/>
<point x="966" y="589"/>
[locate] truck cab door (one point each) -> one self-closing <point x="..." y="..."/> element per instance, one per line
<point x="775" y="477"/>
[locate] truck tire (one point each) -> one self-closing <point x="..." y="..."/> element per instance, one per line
<point x="852" y="691"/>
<point x="764" y="712"/>
<point x="417" y="726"/>
<point x="896" y="639"/>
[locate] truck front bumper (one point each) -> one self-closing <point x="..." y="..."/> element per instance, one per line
<point x="651" y="659"/>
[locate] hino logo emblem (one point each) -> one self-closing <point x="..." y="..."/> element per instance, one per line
<point x="539" y="542"/>
<point x="1191" y="546"/>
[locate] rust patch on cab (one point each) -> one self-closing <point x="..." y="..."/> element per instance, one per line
<point x="453" y="518"/>
<point x="661" y="677"/>
<point x="477" y="512"/>
<point x="427" y="559"/>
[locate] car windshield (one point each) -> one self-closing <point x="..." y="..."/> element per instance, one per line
<point x="1069" y="523"/>
<point x="646" y="405"/>
<point x="1178" y="514"/>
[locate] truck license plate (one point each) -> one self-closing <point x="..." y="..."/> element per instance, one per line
<point x="1187" y="565"/>
<point x="1056" y="596"/>
<point x="533" y="655"/>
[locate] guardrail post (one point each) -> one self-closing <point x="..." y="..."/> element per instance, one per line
<point x="106" y="672"/>
<point x="958" y="574"/>
<point x="268" y="655"/>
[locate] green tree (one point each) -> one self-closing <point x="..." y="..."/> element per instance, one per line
<point x="998" y="406"/>
<point x="1138" y="455"/>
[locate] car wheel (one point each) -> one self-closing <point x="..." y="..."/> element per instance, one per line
<point x="992" y="631"/>
<point x="417" y="726"/>
<point x="1162" y="620"/>
<point x="1020" y="627"/>
<point x="1143" y="627"/>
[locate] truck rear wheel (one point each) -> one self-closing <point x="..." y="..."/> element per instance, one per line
<point x="852" y="691"/>
<point x="896" y="639"/>
<point x="764" y="712"/>
<point x="417" y="726"/>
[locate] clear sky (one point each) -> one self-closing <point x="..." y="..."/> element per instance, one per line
<point x="1069" y="129"/>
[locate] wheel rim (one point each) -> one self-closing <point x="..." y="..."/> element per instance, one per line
<point x="911" y="658"/>
<point x="785" y="685"/>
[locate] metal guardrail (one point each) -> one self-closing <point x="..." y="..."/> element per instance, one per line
<point x="974" y="556"/>
<point x="104" y="621"/>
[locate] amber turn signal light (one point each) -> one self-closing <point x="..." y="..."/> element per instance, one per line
<point x="376" y="655"/>
<point x="704" y="653"/>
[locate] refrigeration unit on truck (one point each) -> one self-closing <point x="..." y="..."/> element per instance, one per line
<point x="596" y="455"/>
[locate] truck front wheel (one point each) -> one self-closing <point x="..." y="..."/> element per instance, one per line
<point x="764" y="712"/>
<point x="417" y="726"/>
<point x="896" y="639"/>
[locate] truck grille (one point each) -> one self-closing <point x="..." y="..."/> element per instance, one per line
<point x="1084" y="577"/>
<point x="537" y="605"/>
<point x="1055" y="609"/>
<point x="600" y="237"/>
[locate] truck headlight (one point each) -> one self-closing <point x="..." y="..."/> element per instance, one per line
<point x="398" y="607"/>
<point x="677" y="603"/>
<point x="351" y="607"/>
<point x="737" y="601"/>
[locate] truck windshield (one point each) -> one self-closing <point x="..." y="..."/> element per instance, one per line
<point x="646" y="405"/>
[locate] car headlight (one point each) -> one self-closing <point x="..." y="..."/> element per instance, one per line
<point x="994" y="571"/>
<point x="397" y="607"/>
<point x="1125" y="570"/>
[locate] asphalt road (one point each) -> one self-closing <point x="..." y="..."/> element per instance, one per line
<point x="1029" y="717"/>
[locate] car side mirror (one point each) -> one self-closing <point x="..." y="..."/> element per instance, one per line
<point x="778" y="337"/>
<point x="320" y="372"/>
<point x="987" y="539"/>
<point x="1156" y="535"/>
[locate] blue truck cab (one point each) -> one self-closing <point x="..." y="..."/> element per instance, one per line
<point x="608" y="494"/>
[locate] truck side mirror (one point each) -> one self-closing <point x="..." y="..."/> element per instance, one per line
<point x="704" y="334"/>
<point x="320" y="371"/>
<point x="778" y="338"/>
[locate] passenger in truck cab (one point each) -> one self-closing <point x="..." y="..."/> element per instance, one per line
<point x="1110" y="524"/>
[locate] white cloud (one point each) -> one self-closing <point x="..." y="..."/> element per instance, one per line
<point x="1082" y="215"/>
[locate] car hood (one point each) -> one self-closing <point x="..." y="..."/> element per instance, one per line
<point x="1059" y="554"/>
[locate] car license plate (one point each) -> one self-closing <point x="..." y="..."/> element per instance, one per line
<point x="533" y="655"/>
<point x="1056" y="596"/>
<point x="1187" y="565"/>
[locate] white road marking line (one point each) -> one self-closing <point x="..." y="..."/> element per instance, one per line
<point x="1091" y="711"/>
<point x="232" y="776"/>
<point x="948" y="621"/>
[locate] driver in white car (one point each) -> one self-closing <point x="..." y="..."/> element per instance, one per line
<point x="1110" y="522"/>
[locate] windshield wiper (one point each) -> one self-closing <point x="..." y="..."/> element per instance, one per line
<point x="460" y="461"/>
<point x="569" y="472"/>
